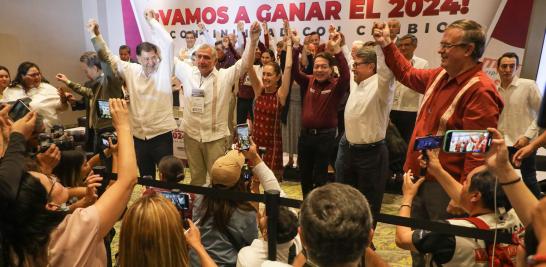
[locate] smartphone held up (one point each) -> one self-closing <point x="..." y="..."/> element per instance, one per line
<point x="467" y="141"/>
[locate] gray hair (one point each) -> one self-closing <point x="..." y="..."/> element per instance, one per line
<point x="408" y="36"/>
<point x="367" y="53"/>
<point x="473" y="34"/>
<point x="211" y="48"/>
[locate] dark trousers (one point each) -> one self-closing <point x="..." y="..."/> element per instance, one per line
<point x="528" y="171"/>
<point x="91" y="142"/>
<point x="430" y="203"/>
<point x="149" y="152"/>
<point x="313" y="158"/>
<point x="366" y="169"/>
<point x="405" y="122"/>
<point x="244" y="108"/>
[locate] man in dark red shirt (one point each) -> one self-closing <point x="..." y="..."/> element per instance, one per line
<point x="458" y="95"/>
<point x="321" y="97"/>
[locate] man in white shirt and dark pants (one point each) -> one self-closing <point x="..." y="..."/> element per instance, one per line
<point x="149" y="86"/>
<point x="406" y="101"/>
<point x="366" y="120"/>
<point x="207" y="94"/>
<point x="517" y="121"/>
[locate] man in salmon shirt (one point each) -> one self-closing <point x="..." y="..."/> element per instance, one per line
<point x="458" y="95"/>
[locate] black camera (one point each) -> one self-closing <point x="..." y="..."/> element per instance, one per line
<point x="104" y="139"/>
<point x="62" y="140"/>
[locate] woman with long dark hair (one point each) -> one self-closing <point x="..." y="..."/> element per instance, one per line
<point x="270" y="96"/>
<point x="5" y="80"/>
<point x="35" y="231"/>
<point x="46" y="100"/>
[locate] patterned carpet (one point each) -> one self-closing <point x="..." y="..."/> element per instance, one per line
<point x="383" y="237"/>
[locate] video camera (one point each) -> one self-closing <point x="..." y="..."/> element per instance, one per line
<point x="63" y="140"/>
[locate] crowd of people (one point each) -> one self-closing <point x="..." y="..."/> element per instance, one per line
<point x="332" y="105"/>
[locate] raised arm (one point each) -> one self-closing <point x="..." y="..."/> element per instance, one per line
<point x="449" y="184"/>
<point x="247" y="59"/>
<point x="12" y="164"/>
<point x="102" y="49"/>
<point x="78" y="88"/>
<point x="256" y="83"/>
<point x="404" y="234"/>
<point x="298" y="76"/>
<point x="385" y="78"/>
<point x="163" y="40"/>
<point x="415" y="79"/>
<point x="497" y="161"/>
<point x="282" y="93"/>
<point x="114" y="200"/>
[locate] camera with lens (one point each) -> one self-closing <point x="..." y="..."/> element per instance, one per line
<point x="104" y="139"/>
<point x="62" y="140"/>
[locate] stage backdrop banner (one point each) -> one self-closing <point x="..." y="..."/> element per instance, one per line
<point x="505" y="21"/>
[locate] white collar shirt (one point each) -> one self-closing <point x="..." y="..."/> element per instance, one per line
<point x="521" y="104"/>
<point x="212" y="123"/>
<point x="150" y="98"/>
<point x="256" y="253"/>
<point x="369" y="104"/>
<point x="45" y="101"/>
<point x="406" y="99"/>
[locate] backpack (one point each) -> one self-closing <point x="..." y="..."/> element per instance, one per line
<point x="503" y="253"/>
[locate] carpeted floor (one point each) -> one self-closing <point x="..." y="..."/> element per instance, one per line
<point x="383" y="237"/>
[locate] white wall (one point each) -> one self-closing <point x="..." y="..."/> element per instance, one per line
<point x="52" y="34"/>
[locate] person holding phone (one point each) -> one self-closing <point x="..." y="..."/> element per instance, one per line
<point x="270" y="97"/>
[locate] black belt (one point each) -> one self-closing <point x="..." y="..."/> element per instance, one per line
<point x="318" y="131"/>
<point x="367" y="146"/>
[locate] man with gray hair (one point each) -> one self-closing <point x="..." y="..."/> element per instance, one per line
<point x="207" y="94"/>
<point x="366" y="118"/>
<point x="406" y="101"/>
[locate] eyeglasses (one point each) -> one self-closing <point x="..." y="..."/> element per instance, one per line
<point x="151" y="59"/>
<point x="34" y="75"/>
<point x="356" y="64"/>
<point x="54" y="180"/>
<point x="449" y="46"/>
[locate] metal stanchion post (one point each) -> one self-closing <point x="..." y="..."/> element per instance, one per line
<point x="272" y="199"/>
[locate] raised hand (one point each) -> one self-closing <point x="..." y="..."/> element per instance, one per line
<point x="240" y="26"/>
<point x="381" y="34"/>
<point x="25" y="125"/>
<point x="93" y="27"/>
<point x="120" y="113"/>
<point x="61" y="78"/>
<point x="150" y="14"/>
<point x="334" y="42"/>
<point x="255" y="32"/>
<point x="264" y="27"/>
<point x="496" y="158"/>
<point x="201" y="26"/>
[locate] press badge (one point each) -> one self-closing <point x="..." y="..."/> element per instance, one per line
<point x="198" y="101"/>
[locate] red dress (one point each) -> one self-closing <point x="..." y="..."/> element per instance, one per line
<point x="267" y="128"/>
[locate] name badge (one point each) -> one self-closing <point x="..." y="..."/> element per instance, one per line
<point x="197" y="101"/>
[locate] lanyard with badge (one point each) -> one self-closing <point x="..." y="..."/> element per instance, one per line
<point x="198" y="99"/>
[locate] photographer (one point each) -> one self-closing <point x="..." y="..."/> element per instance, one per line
<point x="228" y="225"/>
<point x="34" y="232"/>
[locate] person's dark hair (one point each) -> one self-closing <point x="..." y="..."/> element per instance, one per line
<point x="270" y="52"/>
<point x="22" y="70"/>
<point x="508" y="55"/>
<point x="125" y="47"/>
<point x="190" y="32"/>
<point x="171" y="168"/>
<point x="331" y="59"/>
<point x="276" y="69"/>
<point x="335" y="224"/>
<point x="6" y="69"/>
<point x="220" y="210"/>
<point x="314" y="33"/>
<point x="219" y="43"/>
<point x="484" y="182"/>
<point x="473" y="34"/>
<point x="69" y="168"/>
<point x="26" y="226"/>
<point x="90" y="59"/>
<point x="287" y="225"/>
<point x="146" y="47"/>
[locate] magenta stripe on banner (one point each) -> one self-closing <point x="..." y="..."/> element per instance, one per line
<point x="132" y="35"/>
